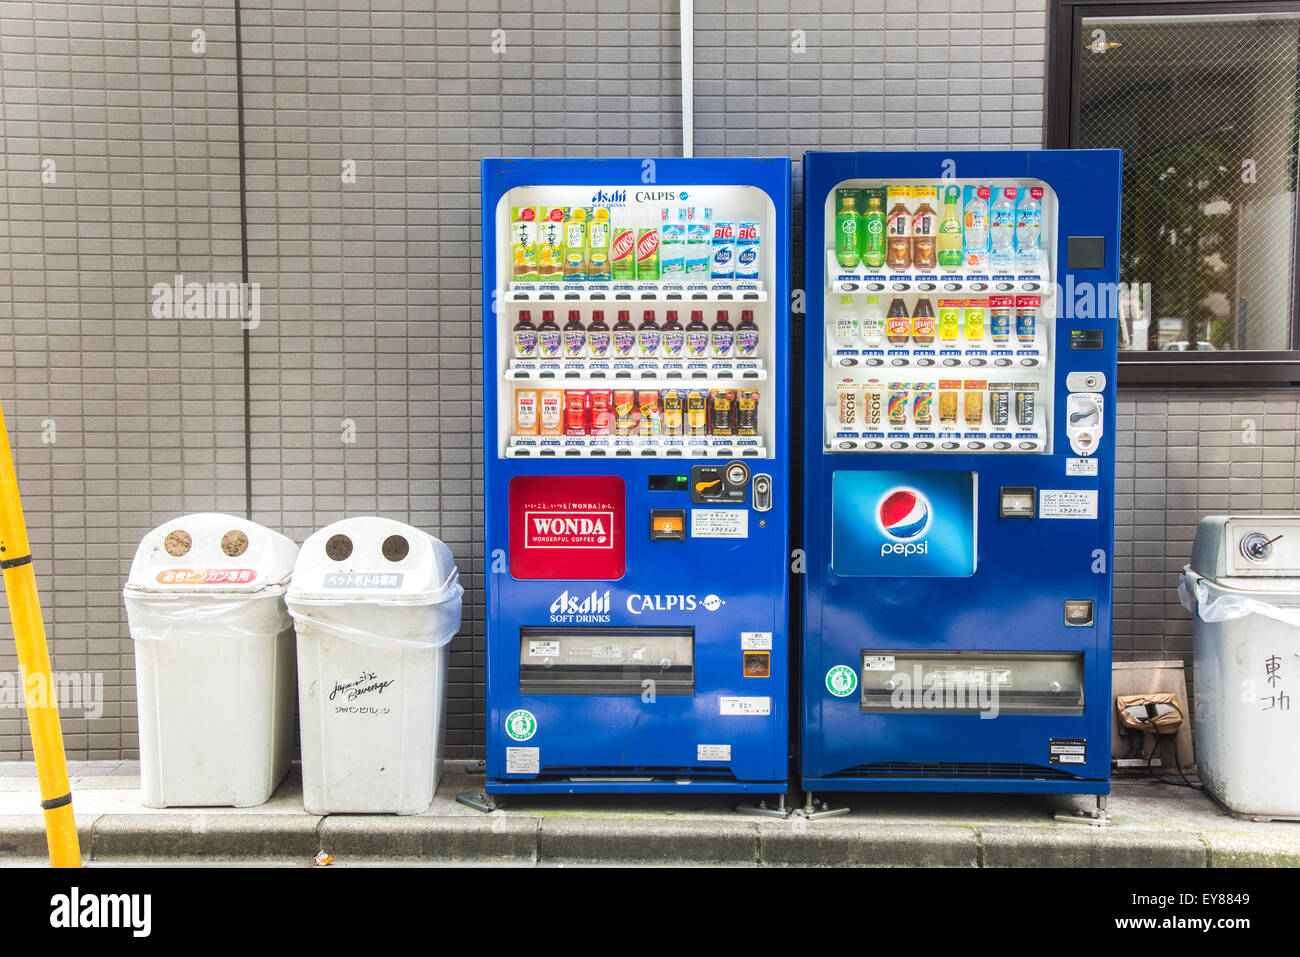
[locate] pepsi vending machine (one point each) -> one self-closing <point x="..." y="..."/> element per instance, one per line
<point x="959" y="371"/>
<point x="635" y="365"/>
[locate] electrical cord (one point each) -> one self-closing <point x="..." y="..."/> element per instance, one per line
<point x="1173" y="746"/>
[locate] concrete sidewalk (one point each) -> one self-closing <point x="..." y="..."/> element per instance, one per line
<point x="1154" y="825"/>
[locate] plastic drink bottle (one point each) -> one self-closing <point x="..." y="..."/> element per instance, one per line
<point x="873" y="324"/>
<point x="1002" y="229"/>
<point x="549" y="339"/>
<point x="949" y="241"/>
<point x="575" y="336"/>
<point x="847" y="325"/>
<point x="871" y="231"/>
<point x="976" y="231"/>
<point x="746" y="335"/>
<point x="598" y="339"/>
<point x="846" y="232"/>
<point x="1029" y="226"/>
<point x="524" y="336"/>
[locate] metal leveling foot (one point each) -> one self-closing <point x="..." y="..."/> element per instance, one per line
<point x="478" y="801"/>
<point x="1098" y="817"/>
<point x="814" y="809"/>
<point x="763" y="808"/>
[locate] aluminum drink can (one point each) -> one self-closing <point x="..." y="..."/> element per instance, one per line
<point x="873" y="402"/>
<point x="601" y="407"/>
<point x="898" y="393"/>
<point x="672" y="402"/>
<point x="575" y="412"/>
<point x="747" y="412"/>
<point x="999" y="405"/>
<point x="1000" y="318"/>
<point x="625" y="413"/>
<point x="1027" y="317"/>
<point x="922" y="404"/>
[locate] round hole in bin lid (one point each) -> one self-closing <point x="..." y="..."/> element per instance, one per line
<point x="395" y="547"/>
<point x="234" y="543"/>
<point x="339" y="547"/>
<point x="177" y="543"/>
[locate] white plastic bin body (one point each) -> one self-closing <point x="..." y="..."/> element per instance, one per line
<point x="372" y="667"/>
<point x="214" y="659"/>
<point x="1248" y="700"/>
<point x="1243" y="587"/>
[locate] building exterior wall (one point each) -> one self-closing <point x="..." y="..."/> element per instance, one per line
<point x="358" y="389"/>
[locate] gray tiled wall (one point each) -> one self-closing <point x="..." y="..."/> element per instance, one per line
<point x="370" y="288"/>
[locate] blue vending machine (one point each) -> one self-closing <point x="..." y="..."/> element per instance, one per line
<point x="959" y="375"/>
<point x="636" y="395"/>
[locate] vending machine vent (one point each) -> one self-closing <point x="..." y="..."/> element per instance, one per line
<point x="953" y="770"/>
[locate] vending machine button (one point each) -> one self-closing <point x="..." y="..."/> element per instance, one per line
<point x="848" y="361"/>
<point x="1029" y="446"/>
<point x="925" y="286"/>
<point x="950" y="445"/>
<point x="871" y="445"/>
<point x="848" y="445"/>
<point x="979" y="286"/>
<point x="950" y="362"/>
<point x="902" y="286"/>
<point x="977" y="362"/>
<point x="925" y="362"/>
<point x="875" y="286"/>
<point x="1031" y="286"/>
<point x="977" y="445"/>
<point x="873" y="361"/>
<point x="1029" y="362"/>
<point x="1004" y="286"/>
<point x="1002" y="362"/>
<point x="898" y="445"/>
<point x="925" y="445"/>
<point x="1001" y="446"/>
<point x="899" y="362"/>
<point x="952" y="286"/>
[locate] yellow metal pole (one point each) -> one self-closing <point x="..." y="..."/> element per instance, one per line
<point x="34" y="666"/>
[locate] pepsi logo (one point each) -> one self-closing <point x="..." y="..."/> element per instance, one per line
<point x="903" y="514"/>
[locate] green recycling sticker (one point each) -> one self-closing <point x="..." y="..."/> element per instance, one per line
<point x="841" y="681"/>
<point x="521" y="725"/>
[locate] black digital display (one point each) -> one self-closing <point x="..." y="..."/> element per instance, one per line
<point x="669" y="483"/>
<point x="1087" y="338"/>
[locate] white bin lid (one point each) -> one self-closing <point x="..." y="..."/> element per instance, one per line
<point x="374" y="559"/>
<point x="211" y="553"/>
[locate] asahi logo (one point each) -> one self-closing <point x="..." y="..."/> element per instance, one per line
<point x="569" y="608"/>
<point x="613" y="197"/>
<point x="570" y="529"/>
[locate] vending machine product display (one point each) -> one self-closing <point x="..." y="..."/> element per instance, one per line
<point x="636" y="489"/>
<point x="959" y="380"/>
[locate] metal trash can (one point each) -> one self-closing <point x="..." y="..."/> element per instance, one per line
<point x="1243" y="587"/>
<point x="214" y="662"/>
<point x="375" y="603"/>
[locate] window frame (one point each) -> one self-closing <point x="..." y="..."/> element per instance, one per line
<point x="1061" y="126"/>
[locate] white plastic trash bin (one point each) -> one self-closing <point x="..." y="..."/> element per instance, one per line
<point x="375" y="603"/>
<point x="214" y="662"/>
<point x="1243" y="587"/>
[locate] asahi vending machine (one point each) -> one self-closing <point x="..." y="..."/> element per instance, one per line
<point x="959" y="377"/>
<point x="635" y="367"/>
